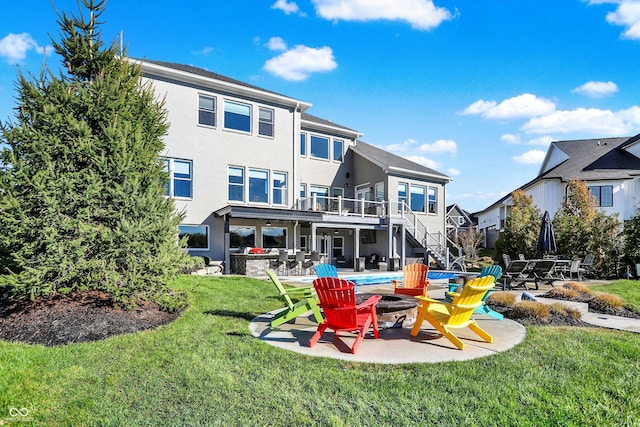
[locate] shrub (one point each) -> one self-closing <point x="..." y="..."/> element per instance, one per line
<point x="579" y="287"/>
<point x="501" y="299"/>
<point x="562" y="310"/>
<point x="562" y="293"/>
<point x="530" y="309"/>
<point x="603" y="302"/>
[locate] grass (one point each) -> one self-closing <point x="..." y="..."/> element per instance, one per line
<point x="628" y="290"/>
<point x="206" y="369"/>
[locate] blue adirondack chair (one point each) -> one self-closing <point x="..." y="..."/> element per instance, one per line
<point x="491" y="270"/>
<point x="326" y="270"/>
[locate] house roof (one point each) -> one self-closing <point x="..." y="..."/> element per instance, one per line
<point x="393" y="163"/>
<point x="317" y="120"/>
<point x="587" y="160"/>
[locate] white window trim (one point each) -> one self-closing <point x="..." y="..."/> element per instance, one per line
<point x="244" y="184"/>
<point x="273" y="123"/>
<point x="311" y="156"/>
<point x="171" y="194"/>
<point x="215" y="111"/>
<point x="224" y="125"/>
<point x="269" y="185"/>
<point x="285" y="198"/>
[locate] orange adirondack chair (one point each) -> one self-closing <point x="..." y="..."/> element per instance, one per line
<point x="447" y="316"/>
<point x="415" y="280"/>
<point x="338" y="300"/>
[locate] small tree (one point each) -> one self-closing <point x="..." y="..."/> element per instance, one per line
<point x="572" y="223"/>
<point x="520" y="234"/>
<point x="632" y="240"/>
<point x="470" y="240"/>
<point x="82" y="201"/>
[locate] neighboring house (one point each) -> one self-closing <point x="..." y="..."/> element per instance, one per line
<point x="458" y="220"/>
<point x="609" y="166"/>
<point x="250" y="168"/>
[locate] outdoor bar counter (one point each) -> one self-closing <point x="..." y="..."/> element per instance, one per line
<point x="254" y="265"/>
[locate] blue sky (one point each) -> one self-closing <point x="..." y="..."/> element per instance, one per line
<point x="475" y="89"/>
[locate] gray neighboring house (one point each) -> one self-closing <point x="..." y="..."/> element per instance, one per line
<point x="609" y="166"/>
<point x="251" y="169"/>
<point x="458" y="220"/>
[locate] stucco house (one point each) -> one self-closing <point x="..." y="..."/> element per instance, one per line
<point x="609" y="166"/>
<point x="250" y="168"/>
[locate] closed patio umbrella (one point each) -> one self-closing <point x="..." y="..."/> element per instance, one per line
<point x="547" y="238"/>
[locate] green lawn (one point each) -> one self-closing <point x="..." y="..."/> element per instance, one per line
<point x="206" y="369"/>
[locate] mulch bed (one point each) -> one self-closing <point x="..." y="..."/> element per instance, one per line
<point x="79" y="317"/>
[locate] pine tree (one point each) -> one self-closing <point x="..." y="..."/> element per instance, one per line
<point x="82" y="201"/>
<point x="572" y="223"/>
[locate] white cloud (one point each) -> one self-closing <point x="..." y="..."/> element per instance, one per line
<point x="421" y="14"/>
<point x="286" y="7"/>
<point x="582" y="120"/>
<point x="276" y="43"/>
<point x="597" y="89"/>
<point x="628" y="15"/>
<point x="532" y="157"/>
<point x="424" y="161"/>
<point x="440" y="146"/>
<point x="525" y="105"/>
<point x="542" y="141"/>
<point x="454" y="172"/>
<point x="299" y="63"/>
<point x="14" y="47"/>
<point x="510" y="138"/>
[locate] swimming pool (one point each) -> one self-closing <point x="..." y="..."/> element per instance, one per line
<point x="381" y="279"/>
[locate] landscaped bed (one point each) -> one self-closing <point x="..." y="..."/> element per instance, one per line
<point x="205" y="368"/>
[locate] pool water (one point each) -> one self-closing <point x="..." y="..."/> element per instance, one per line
<point x="381" y="279"/>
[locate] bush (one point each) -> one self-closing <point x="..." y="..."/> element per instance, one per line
<point x="501" y="299"/>
<point x="530" y="310"/>
<point x="562" y="293"/>
<point x="562" y="310"/>
<point x="578" y="287"/>
<point x="603" y="302"/>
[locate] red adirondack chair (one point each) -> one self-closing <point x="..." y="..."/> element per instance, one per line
<point x="341" y="313"/>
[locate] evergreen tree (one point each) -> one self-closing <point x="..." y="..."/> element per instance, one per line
<point x="520" y="235"/>
<point x="572" y="222"/>
<point x="82" y="201"/>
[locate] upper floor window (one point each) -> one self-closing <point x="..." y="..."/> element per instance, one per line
<point x="279" y="188"/>
<point x="258" y="186"/>
<point x="237" y="116"/>
<point x="603" y="195"/>
<point x="206" y="110"/>
<point x="338" y="147"/>
<point x="180" y="178"/>
<point x="433" y="200"/>
<point x="303" y="144"/>
<point x="402" y="195"/>
<point x="242" y="236"/>
<point x="236" y="183"/>
<point x="303" y="191"/>
<point x="265" y="122"/>
<point x="417" y="200"/>
<point x="197" y="236"/>
<point x="319" y="147"/>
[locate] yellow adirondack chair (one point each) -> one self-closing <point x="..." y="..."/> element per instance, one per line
<point x="414" y="282"/>
<point x="308" y="301"/>
<point x="447" y="316"/>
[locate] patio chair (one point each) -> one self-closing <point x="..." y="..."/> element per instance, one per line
<point x="281" y="262"/>
<point x="308" y="301"/>
<point x="447" y="316"/>
<point x="506" y="259"/>
<point x="414" y="280"/>
<point x="296" y="264"/>
<point x="587" y="264"/>
<point x="491" y="270"/>
<point x="515" y="274"/>
<point x="575" y="269"/>
<point x="342" y="314"/>
<point x="326" y="270"/>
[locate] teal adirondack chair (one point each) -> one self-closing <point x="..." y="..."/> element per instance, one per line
<point x="490" y="270"/>
<point x="308" y="301"/>
<point x="326" y="270"/>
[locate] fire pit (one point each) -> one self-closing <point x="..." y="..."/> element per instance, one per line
<point x="393" y="311"/>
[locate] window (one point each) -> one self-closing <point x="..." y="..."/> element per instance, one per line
<point x="337" y="246"/>
<point x="242" y="237"/>
<point x="197" y="236"/>
<point x="265" y="122"/>
<point x="303" y="144"/>
<point x="338" y="146"/>
<point x="206" y="110"/>
<point x="603" y="195"/>
<point x="274" y="237"/>
<point x="180" y="178"/>
<point x="279" y="188"/>
<point x="416" y="202"/>
<point x="379" y="191"/>
<point x="236" y="184"/>
<point x="258" y="186"/>
<point x="433" y="200"/>
<point x="319" y="147"/>
<point x="321" y="194"/>
<point x="303" y="243"/>
<point x="402" y="196"/>
<point x="237" y="116"/>
<point x="303" y="191"/>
